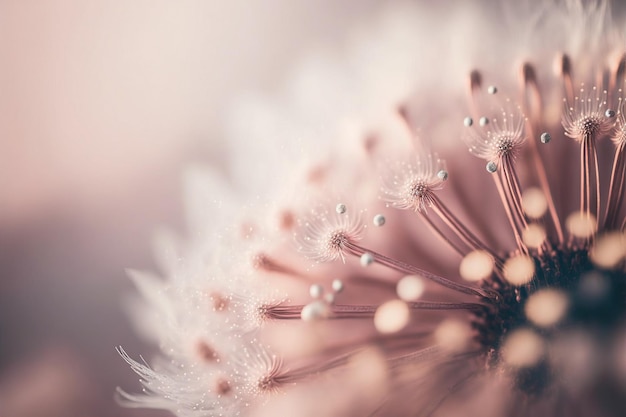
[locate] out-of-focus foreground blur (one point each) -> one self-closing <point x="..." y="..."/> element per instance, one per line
<point x="102" y="104"/>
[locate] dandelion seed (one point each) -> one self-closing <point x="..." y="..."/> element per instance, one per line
<point x="413" y="186"/>
<point x="324" y="237"/>
<point x="586" y="119"/>
<point x="501" y="141"/>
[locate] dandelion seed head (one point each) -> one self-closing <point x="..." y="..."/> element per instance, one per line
<point x="324" y="237"/>
<point x="587" y="118"/>
<point x="510" y="287"/>
<point x="267" y="380"/>
<point x="587" y="126"/>
<point x="418" y="192"/>
<point x="498" y="140"/>
<point x="503" y="144"/>
<point x="413" y="185"/>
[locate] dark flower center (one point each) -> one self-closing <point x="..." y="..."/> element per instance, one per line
<point x="597" y="305"/>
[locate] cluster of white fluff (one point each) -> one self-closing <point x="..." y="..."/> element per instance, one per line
<point x="204" y="317"/>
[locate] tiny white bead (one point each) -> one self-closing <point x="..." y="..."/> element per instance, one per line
<point x="379" y="220"/>
<point x="315" y="311"/>
<point x="545" y="137"/>
<point x="492" y="89"/>
<point x="609" y="113"/>
<point x="316" y="291"/>
<point x="367" y="259"/>
<point x="442" y="175"/>
<point x="337" y="285"/>
<point x="491" y="167"/>
<point x="341" y="208"/>
<point x="468" y="121"/>
<point x="483" y="121"/>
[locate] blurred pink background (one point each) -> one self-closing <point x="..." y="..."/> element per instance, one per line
<point x="102" y="103"/>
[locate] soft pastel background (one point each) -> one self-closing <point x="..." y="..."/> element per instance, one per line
<point x="101" y="105"/>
